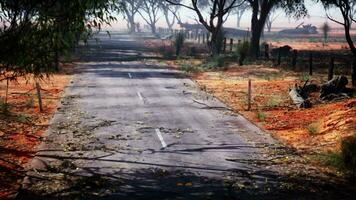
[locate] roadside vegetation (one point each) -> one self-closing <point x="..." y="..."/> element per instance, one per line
<point x="38" y="39"/>
<point x="319" y="125"/>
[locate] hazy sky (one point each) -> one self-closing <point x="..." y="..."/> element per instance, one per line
<point x="316" y="17"/>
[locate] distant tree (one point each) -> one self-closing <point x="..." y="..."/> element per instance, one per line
<point x="149" y="13"/>
<point x="170" y="13"/>
<point x="326" y="29"/>
<point x="347" y="9"/>
<point x="240" y="11"/>
<point x="217" y="11"/>
<point x="131" y="8"/>
<point x="260" y="12"/>
<point x="272" y="17"/>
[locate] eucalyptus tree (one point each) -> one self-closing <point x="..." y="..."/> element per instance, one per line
<point x="33" y="32"/>
<point x="347" y="10"/>
<point x="130" y="9"/>
<point x="149" y="13"/>
<point x="260" y="12"/>
<point x="211" y="14"/>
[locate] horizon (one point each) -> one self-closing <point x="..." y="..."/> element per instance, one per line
<point x="316" y="16"/>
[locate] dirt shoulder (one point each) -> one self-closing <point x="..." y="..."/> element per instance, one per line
<point x="21" y="129"/>
<point x="319" y="129"/>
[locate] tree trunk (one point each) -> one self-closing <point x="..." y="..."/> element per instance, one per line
<point x="153" y="29"/>
<point x="259" y="17"/>
<point x="38" y="88"/>
<point x="255" y="40"/>
<point x="349" y="39"/>
<point x="335" y="86"/>
<point x="132" y="24"/>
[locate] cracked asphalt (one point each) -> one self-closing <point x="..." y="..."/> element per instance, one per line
<point x="127" y="128"/>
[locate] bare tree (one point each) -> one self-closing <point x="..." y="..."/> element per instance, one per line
<point x="217" y="13"/>
<point x="149" y="13"/>
<point x="347" y="10"/>
<point x="131" y="8"/>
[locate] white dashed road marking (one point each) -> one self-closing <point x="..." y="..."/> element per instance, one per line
<point x="160" y="137"/>
<point x="140" y="96"/>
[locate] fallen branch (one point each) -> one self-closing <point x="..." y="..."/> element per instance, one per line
<point x="211" y="107"/>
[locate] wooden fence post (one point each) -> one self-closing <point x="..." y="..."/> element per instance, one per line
<point x="267" y="51"/>
<point x="224" y="47"/>
<point x="311" y="64"/>
<point x="203" y="38"/>
<point x="331" y="68"/>
<point x="249" y="94"/>
<point x="38" y="88"/>
<point x="294" y="58"/>
<point x="231" y="44"/>
<point x="279" y="57"/>
<point x="7" y="90"/>
<point x="199" y="35"/>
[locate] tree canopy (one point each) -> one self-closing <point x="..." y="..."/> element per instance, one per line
<point x="33" y="32"/>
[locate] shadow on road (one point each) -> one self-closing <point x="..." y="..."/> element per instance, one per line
<point x="160" y="181"/>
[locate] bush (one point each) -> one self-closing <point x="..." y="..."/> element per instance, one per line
<point x="30" y="103"/>
<point x="275" y="101"/>
<point x="261" y="115"/>
<point x="193" y="51"/>
<point x="216" y="62"/>
<point x="313" y="128"/>
<point x="179" y="42"/>
<point x="348" y="153"/>
<point x="4" y="108"/>
<point x="188" y="68"/>
<point x="167" y="52"/>
<point x="242" y="51"/>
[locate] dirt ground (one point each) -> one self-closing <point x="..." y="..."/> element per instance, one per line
<point x="21" y="129"/>
<point x="319" y="129"/>
<point x="305" y="45"/>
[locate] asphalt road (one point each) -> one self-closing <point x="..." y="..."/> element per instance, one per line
<point x="128" y="128"/>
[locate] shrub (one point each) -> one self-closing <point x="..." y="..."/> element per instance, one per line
<point x="348" y="153"/>
<point x="30" y="103"/>
<point x="4" y="108"/>
<point x="261" y="115"/>
<point x="188" y="68"/>
<point x="242" y="51"/>
<point x="179" y="42"/>
<point x="275" y="101"/>
<point x="193" y="51"/>
<point x="219" y="61"/>
<point x="167" y="52"/>
<point x="215" y="62"/>
<point x="313" y="128"/>
<point x="304" y="77"/>
<point x="23" y="118"/>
